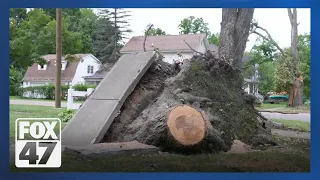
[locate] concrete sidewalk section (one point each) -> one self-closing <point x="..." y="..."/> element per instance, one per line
<point x="112" y="149"/>
<point x="93" y="119"/>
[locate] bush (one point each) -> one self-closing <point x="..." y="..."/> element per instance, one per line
<point x="66" y="115"/>
<point x="16" y="77"/>
<point x="83" y="87"/>
<point x="48" y="91"/>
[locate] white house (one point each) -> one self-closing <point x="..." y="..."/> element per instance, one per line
<point x="72" y="73"/>
<point x="173" y="47"/>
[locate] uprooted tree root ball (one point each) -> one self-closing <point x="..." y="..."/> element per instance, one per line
<point x="199" y="108"/>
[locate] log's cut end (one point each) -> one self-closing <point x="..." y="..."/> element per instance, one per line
<point x="186" y="125"/>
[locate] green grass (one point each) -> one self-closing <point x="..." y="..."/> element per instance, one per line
<point x="271" y="106"/>
<point x="294" y="124"/>
<point x="26" y="111"/>
<point x="282" y="107"/>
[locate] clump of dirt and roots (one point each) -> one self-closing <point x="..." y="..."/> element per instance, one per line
<point x="206" y="83"/>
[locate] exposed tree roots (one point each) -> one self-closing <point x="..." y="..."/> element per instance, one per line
<point x="209" y="85"/>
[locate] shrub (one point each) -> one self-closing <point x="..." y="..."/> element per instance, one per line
<point x="66" y="115"/>
<point x="16" y="77"/>
<point x="48" y="91"/>
<point x="83" y="87"/>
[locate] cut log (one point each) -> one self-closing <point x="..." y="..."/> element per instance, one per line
<point x="186" y="125"/>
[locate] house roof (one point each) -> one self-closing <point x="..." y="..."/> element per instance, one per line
<point x="33" y="74"/>
<point x="96" y="75"/>
<point x="169" y="43"/>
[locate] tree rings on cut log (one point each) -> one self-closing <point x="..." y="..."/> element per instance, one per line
<point x="186" y="125"/>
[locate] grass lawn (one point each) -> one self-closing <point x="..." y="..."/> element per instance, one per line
<point x="271" y="106"/>
<point x="282" y="107"/>
<point x="295" y="125"/>
<point x="23" y="111"/>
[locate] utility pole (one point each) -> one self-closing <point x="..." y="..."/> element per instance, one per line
<point x="58" y="58"/>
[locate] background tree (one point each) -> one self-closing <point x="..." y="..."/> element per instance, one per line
<point x="214" y="39"/>
<point x="120" y="21"/>
<point x="103" y="43"/>
<point x="32" y="35"/>
<point x="18" y="14"/>
<point x="304" y="56"/>
<point x="72" y="14"/>
<point x="24" y="45"/>
<point x="116" y="25"/>
<point x="266" y="77"/>
<point x="283" y="71"/>
<point x="88" y="24"/>
<point x="192" y="25"/>
<point x="154" y="31"/>
<point x="296" y="93"/>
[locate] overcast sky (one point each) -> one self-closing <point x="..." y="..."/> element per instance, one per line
<point x="276" y="21"/>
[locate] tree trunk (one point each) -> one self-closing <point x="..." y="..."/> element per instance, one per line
<point x="297" y="88"/>
<point x="234" y="34"/>
<point x="296" y="93"/>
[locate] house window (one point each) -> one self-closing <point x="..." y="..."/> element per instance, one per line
<point x="41" y="67"/>
<point x="90" y="69"/>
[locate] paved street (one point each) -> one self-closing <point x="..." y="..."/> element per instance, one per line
<point x="40" y="103"/>
<point x="305" y="117"/>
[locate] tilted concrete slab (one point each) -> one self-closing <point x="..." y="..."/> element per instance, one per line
<point x="93" y="119"/>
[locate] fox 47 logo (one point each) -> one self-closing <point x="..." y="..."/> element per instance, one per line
<point x="38" y="143"/>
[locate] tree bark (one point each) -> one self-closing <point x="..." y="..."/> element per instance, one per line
<point x="297" y="87"/>
<point x="294" y="39"/>
<point x="234" y="34"/>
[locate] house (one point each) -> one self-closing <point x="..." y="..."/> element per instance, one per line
<point x="72" y="73"/>
<point x="173" y="47"/>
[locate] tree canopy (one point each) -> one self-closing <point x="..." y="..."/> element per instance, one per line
<point x="192" y="25"/>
